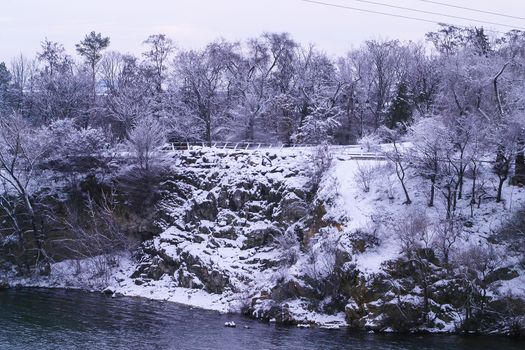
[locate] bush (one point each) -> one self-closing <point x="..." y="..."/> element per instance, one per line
<point x="321" y="163"/>
<point x="145" y="140"/>
<point x="365" y="175"/>
<point x="288" y="245"/>
<point x="412" y="228"/>
<point x="370" y="143"/>
<point x="96" y="231"/>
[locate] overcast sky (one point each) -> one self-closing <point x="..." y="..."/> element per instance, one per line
<point x="193" y="23"/>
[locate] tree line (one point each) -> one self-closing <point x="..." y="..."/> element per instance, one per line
<point x="268" y="88"/>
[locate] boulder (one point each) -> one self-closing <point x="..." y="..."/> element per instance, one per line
<point x="214" y="281"/>
<point x="238" y="198"/>
<point x="355" y="314"/>
<point x="402" y="316"/>
<point x="4" y="284"/>
<point x="108" y="291"/>
<point x="264" y="308"/>
<point x="228" y="232"/>
<point x="204" y="209"/>
<point x="227" y="216"/>
<point x="292" y="208"/>
<point x="291" y="290"/>
<point x="260" y="234"/>
<point x="154" y="268"/>
<point x="186" y="279"/>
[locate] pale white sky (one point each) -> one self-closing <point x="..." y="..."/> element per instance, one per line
<point x="193" y="23"/>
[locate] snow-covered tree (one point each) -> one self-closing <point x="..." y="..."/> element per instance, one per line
<point x="130" y="94"/>
<point x="159" y="49"/>
<point x="400" y="111"/>
<point x="5" y="81"/>
<point x="202" y="82"/>
<point x="398" y="156"/>
<point x="145" y="140"/>
<point x="90" y="48"/>
<point x="429" y="151"/>
<point x="20" y="156"/>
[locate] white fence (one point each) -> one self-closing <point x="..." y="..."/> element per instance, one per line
<point x="351" y="151"/>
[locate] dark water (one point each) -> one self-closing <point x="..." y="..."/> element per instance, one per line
<point x="59" y="319"/>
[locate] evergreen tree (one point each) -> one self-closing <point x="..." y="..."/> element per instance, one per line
<point x="91" y="49"/>
<point x="400" y="111"/>
<point x="5" y="79"/>
<point x="480" y="41"/>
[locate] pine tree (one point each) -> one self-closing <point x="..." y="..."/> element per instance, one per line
<point x="91" y="49"/>
<point x="480" y="41"/>
<point x="400" y="111"/>
<point x="5" y="79"/>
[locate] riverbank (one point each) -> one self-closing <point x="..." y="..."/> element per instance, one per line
<point x="75" y="319"/>
<point x="78" y="275"/>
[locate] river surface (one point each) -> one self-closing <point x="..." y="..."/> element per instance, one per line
<point x="61" y="319"/>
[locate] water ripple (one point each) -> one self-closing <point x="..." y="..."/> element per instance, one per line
<point x="60" y="319"/>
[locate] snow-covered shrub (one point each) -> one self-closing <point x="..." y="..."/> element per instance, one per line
<point x="244" y="301"/>
<point x="321" y="161"/>
<point x="318" y="126"/>
<point x="74" y="148"/>
<point x="88" y="141"/>
<point x="325" y="263"/>
<point x="321" y="257"/>
<point x="145" y="139"/>
<point x="70" y="140"/>
<point x="446" y="234"/>
<point x="289" y="246"/>
<point x="281" y="275"/>
<point x="413" y="228"/>
<point x="370" y="143"/>
<point x="95" y="232"/>
<point x="365" y="175"/>
<point x="388" y="184"/>
<point x="513" y="234"/>
<point x="363" y="239"/>
<point x="511" y="311"/>
<point x="473" y="266"/>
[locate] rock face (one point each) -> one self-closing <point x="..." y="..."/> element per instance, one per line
<point x="260" y="234"/>
<point x="292" y="208"/>
<point x="223" y="212"/>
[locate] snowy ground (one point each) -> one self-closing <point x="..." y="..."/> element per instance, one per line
<point x="386" y="200"/>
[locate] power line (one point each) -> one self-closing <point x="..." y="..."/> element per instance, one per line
<point x="389" y="14"/>
<point x="438" y="14"/>
<point x="472" y="9"/>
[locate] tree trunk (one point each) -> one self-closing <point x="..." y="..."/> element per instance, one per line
<point x="519" y="168"/>
<point x="455" y="199"/>
<point x="474" y="179"/>
<point x="250" y="135"/>
<point x="449" y="201"/>
<point x="208" y="132"/>
<point x="401" y="176"/>
<point x="407" y="197"/>
<point x="432" y="192"/>
<point x="500" y="188"/>
<point x="460" y="189"/>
